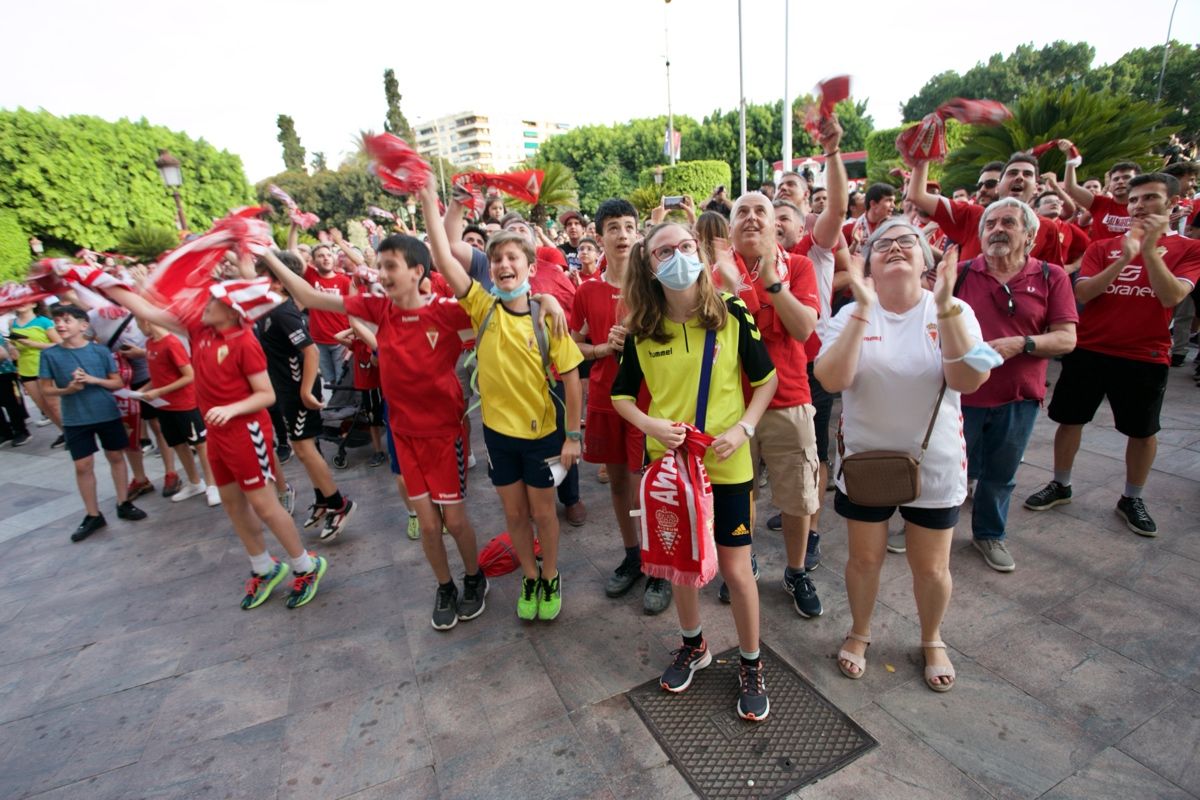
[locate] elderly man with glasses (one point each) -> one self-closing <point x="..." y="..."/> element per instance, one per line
<point x="1026" y="310"/>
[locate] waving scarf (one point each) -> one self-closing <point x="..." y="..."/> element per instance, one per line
<point x="399" y="168"/>
<point x="249" y="298"/>
<point x="677" y="514"/>
<point x="926" y="141"/>
<point x="13" y="294"/>
<point x="303" y="219"/>
<point x="829" y="93"/>
<point x="525" y="185"/>
<point x="1074" y="159"/>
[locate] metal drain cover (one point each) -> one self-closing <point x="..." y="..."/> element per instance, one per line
<point x="722" y="756"/>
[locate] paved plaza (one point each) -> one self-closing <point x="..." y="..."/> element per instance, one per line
<point x="129" y="671"/>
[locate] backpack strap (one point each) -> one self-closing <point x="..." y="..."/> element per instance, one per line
<point x="710" y="346"/>
<point x="962" y="276"/>
<point x="539" y="335"/>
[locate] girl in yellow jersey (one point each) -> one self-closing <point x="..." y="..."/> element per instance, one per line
<point x="673" y="305"/>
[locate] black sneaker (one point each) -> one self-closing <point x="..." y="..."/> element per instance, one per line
<point x="1051" y="495"/>
<point x="445" y="608"/>
<point x="1137" y="519"/>
<point x="89" y="526"/>
<point x="678" y="676"/>
<point x="812" y="555"/>
<point x="5" y="438"/>
<point x="475" y="588"/>
<point x="20" y="439"/>
<point x="775" y="523"/>
<point x="1177" y="359"/>
<point x="803" y="593"/>
<point x="657" y="596"/>
<point x="623" y="578"/>
<point x="723" y="592"/>
<point x="129" y="511"/>
<point x="336" y="519"/>
<point x="59" y="442"/>
<point x="283" y="452"/>
<point x="752" y="693"/>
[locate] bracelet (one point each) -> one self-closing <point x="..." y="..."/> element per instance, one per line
<point x="836" y="150"/>
<point x="860" y="319"/>
<point x="953" y="312"/>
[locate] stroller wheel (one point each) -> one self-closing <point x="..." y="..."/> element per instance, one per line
<point x="339" y="461"/>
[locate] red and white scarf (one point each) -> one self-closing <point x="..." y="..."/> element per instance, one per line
<point x="303" y="219"/>
<point x="249" y="298"/>
<point x="677" y="540"/>
<point x="926" y="141"/>
<point x="399" y="168"/>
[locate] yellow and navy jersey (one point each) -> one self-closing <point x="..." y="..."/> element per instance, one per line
<point x="514" y="394"/>
<point x="672" y="373"/>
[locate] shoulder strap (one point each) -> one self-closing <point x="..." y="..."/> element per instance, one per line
<point x="1045" y="272"/>
<point x="962" y="276"/>
<point x="120" y="329"/>
<point x="539" y="335"/>
<point x="710" y="346"/>
<point x="483" y="325"/>
<point x="937" y="406"/>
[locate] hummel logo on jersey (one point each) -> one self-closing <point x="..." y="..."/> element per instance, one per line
<point x="410" y="319"/>
<point x="658" y="353"/>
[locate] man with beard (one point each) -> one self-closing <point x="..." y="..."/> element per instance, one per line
<point x="1128" y="286"/>
<point x="1026" y="311"/>
<point x="989" y="179"/>
<point x="1110" y="214"/>
<point x="961" y="221"/>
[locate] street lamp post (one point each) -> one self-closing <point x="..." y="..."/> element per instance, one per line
<point x="172" y="175"/>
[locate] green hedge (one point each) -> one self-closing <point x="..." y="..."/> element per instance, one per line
<point x="695" y="178"/>
<point x="882" y="155"/>
<point x="84" y="180"/>
<point x="14" y="248"/>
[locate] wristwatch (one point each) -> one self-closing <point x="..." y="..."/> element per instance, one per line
<point x="1030" y="345"/>
<point x="575" y="436"/>
<point x="774" y="288"/>
<point x="746" y="426"/>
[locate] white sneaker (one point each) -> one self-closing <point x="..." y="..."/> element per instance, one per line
<point x="471" y="461"/>
<point x="43" y="422"/>
<point x="189" y="490"/>
<point x="214" y="496"/>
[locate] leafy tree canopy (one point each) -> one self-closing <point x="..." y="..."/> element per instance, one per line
<point x="293" y="151"/>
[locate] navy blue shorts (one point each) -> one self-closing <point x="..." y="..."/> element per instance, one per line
<point x="938" y="519"/>
<point x="511" y="459"/>
<point x="81" y="439"/>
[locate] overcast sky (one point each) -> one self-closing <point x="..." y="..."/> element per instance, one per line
<point x="224" y="70"/>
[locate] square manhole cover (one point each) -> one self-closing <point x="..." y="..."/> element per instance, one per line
<point x="723" y="756"/>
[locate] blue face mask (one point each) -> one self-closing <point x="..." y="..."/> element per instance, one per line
<point x="679" y="271"/>
<point x="980" y="358"/>
<point x="506" y="296"/>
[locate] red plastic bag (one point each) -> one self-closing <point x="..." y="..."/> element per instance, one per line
<point x="677" y="514"/>
<point x="499" y="557"/>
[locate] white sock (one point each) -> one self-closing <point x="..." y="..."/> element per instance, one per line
<point x="262" y="564"/>
<point x="302" y="563"/>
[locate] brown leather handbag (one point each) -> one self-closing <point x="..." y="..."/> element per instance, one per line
<point x="885" y="477"/>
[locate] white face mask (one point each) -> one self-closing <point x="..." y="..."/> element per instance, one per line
<point x="679" y="271"/>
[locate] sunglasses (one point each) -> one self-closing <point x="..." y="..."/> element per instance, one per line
<point x="990" y="183"/>
<point x="1012" y="306"/>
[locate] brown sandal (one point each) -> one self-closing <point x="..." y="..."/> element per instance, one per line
<point x="855" y="660"/>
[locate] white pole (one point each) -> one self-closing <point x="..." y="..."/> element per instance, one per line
<point x="742" y="96"/>
<point x="787" y="98"/>
<point x="1166" y="49"/>
<point x="670" y="116"/>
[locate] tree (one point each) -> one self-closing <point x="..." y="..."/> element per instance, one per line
<point x="147" y="242"/>
<point x="14" y="248"/>
<point x="293" y="151"/>
<point x="318" y="162"/>
<point x="395" y="121"/>
<point x="1106" y="129"/>
<point x="1136" y="74"/>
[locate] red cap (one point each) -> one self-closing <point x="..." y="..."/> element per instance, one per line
<point x="553" y="255"/>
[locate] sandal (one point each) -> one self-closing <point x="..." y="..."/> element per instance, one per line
<point x="855" y="660"/>
<point x="932" y="673"/>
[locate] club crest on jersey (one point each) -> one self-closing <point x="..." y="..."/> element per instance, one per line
<point x="432" y="336"/>
<point x="222" y="353"/>
<point x="931" y="329"/>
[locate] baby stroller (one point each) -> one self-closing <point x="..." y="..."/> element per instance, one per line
<point x="345" y="420"/>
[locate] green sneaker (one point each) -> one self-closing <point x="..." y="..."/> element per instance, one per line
<point x="414" y="528"/>
<point x="304" y="585"/>
<point x="527" y="600"/>
<point x="550" y="602"/>
<point x="259" y="587"/>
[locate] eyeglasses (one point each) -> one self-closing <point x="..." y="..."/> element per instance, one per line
<point x="1012" y="307"/>
<point x="990" y="183"/>
<point x="907" y="242"/>
<point x="686" y="246"/>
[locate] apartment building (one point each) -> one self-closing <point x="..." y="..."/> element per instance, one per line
<point x="487" y="142"/>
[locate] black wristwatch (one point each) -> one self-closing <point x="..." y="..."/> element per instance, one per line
<point x="1030" y="346"/>
<point x="775" y="288"/>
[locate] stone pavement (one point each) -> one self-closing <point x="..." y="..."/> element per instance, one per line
<point x="128" y="670"/>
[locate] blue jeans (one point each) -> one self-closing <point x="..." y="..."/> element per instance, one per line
<point x="996" y="441"/>
<point x="330" y="361"/>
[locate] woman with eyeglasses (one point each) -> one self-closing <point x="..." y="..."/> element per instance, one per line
<point x="889" y="353"/>
<point x="673" y="309"/>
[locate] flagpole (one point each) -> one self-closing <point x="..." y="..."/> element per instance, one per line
<point x="742" y="99"/>
<point x="670" y="116"/>
<point x="787" y="98"/>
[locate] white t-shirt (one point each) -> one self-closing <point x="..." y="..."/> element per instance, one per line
<point x="888" y="405"/>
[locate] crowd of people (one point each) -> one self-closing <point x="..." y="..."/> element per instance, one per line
<point x="932" y="317"/>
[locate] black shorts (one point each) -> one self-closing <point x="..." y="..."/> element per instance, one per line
<point x="81" y="439"/>
<point x="302" y="422"/>
<point x="182" y="427"/>
<point x="29" y="378"/>
<point x="938" y="519"/>
<point x="147" y="411"/>
<point x="511" y="459"/>
<point x="372" y="400"/>
<point x="1134" y="390"/>
<point x="732" y="520"/>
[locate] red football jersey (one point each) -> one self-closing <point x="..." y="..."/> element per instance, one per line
<point x="1109" y="218"/>
<point x="598" y="307"/>
<point x="323" y="326"/>
<point x="418" y="350"/>
<point x="1128" y="321"/>
<point x="222" y="361"/>
<point x="164" y="357"/>
<point x="366" y="374"/>
<point x="549" y="279"/>
<point x="960" y="221"/>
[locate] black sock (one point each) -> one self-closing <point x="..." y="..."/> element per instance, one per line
<point x="449" y="585"/>
<point x="478" y="576"/>
<point x="633" y="555"/>
<point x="748" y="663"/>
<point x="334" y="500"/>
<point x="694" y="641"/>
<point x="321" y="500"/>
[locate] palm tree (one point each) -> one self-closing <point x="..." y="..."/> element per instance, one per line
<point x="1106" y="128"/>
<point x="559" y="193"/>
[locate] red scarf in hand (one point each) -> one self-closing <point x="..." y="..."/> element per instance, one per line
<point x="399" y="168"/>
<point x="1073" y="158"/>
<point x="677" y="514"/>
<point x="525" y="185"/>
<point x="926" y="141"/>
<point x="303" y="219"/>
<point x="829" y="93"/>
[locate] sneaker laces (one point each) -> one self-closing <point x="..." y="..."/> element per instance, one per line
<point x="752" y="680"/>
<point x="685" y="655"/>
<point x="528" y="587"/>
<point x="444" y="596"/>
<point x="255" y="582"/>
<point x="1137" y="508"/>
<point x="549" y="587"/>
<point x="303" y="581"/>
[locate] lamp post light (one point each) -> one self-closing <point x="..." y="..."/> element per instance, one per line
<point x="411" y="207"/>
<point x="172" y="175"/>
